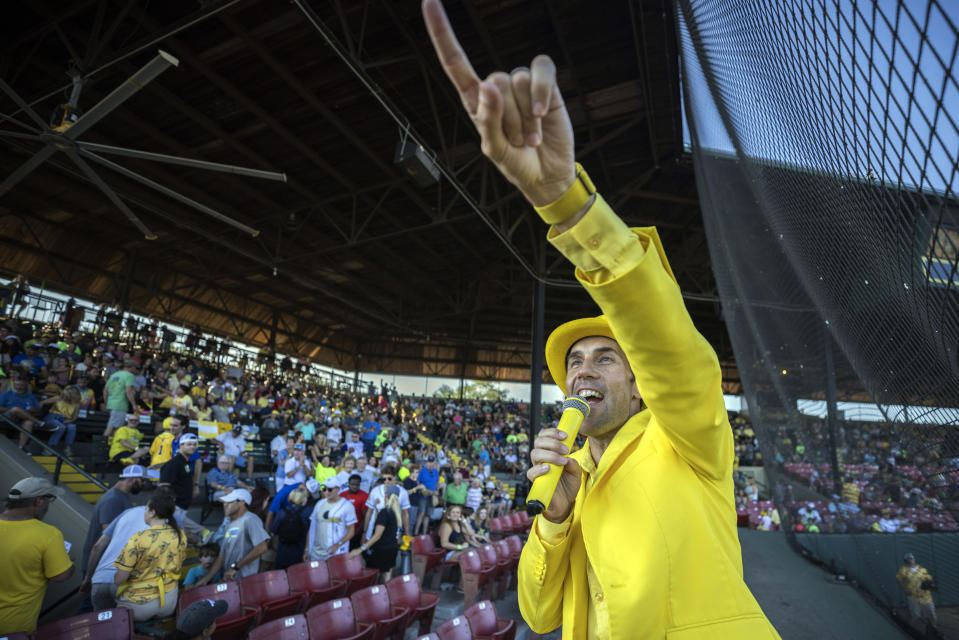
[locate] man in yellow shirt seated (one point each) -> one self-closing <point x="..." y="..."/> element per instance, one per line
<point x="126" y="442"/>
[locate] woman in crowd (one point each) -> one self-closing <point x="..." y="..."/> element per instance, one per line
<point x="62" y="418"/>
<point x="453" y="533"/>
<point x="182" y="403"/>
<point x="382" y="546"/>
<point x="346" y="469"/>
<point x="148" y="568"/>
<point x="319" y="447"/>
<point x="479" y="526"/>
<point x="324" y="470"/>
<point x="201" y="410"/>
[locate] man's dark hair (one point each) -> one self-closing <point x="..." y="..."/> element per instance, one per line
<point x="389" y="468"/>
<point x="184" y="420"/>
<point x="19" y="504"/>
<point x="357" y="477"/>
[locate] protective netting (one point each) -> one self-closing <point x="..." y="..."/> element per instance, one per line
<point x="826" y="143"/>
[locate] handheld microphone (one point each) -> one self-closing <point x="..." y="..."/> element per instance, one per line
<point x="575" y="410"/>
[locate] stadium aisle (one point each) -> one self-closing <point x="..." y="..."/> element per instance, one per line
<point x="798" y="599"/>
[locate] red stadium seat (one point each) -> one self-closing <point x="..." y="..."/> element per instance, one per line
<point x="457" y="628"/>
<point x="289" y="628"/>
<point x="477" y="576"/>
<point x="499" y="527"/>
<point x="270" y="591"/>
<point x="427" y="557"/>
<point x="509" y="562"/>
<point x="483" y="622"/>
<point x="501" y="573"/>
<point x="515" y="524"/>
<point x="333" y="620"/>
<point x="515" y="546"/>
<point x="238" y="618"/>
<point x="524" y="521"/>
<point x="405" y="592"/>
<point x="372" y="604"/>
<point x="110" y="624"/>
<point x="313" y="578"/>
<point x="351" y="568"/>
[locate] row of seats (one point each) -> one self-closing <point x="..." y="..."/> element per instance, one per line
<point x="481" y="569"/>
<point x="342" y="620"/>
<point x="517" y="522"/>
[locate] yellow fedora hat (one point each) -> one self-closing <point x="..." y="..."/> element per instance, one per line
<point x="565" y="336"/>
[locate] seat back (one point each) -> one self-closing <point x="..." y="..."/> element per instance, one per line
<point x="404" y="591"/>
<point x="515" y="522"/>
<point x="308" y="576"/>
<point x="482" y="617"/>
<point x="522" y="518"/>
<point x="286" y="628"/>
<point x="226" y="591"/>
<point x="457" y="628"/>
<point x="471" y="562"/>
<point x="260" y="588"/>
<point x="515" y="544"/>
<point x="496" y="524"/>
<point x="422" y="544"/>
<point x="503" y="552"/>
<point x="488" y="553"/>
<point x="331" y="620"/>
<point x="372" y="604"/>
<point x="345" y="566"/>
<point x="110" y="624"/>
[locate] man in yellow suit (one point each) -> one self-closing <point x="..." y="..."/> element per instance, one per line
<point x="639" y="540"/>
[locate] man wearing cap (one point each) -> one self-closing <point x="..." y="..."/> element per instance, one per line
<point x="198" y="621"/>
<point x="119" y="395"/>
<point x="244" y="541"/>
<point x="220" y="479"/>
<point x="126" y="442"/>
<point x="916" y="582"/>
<point x="355" y="448"/>
<point x="112" y="503"/>
<point x="332" y="525"/>
<point x="233" y="445"/>
<point x="639" y="539"/>
<point x="31" y="554"/>
<point x="429" y="478"/>
<point x="177" y="473"/>
<point x="377" y="501"/>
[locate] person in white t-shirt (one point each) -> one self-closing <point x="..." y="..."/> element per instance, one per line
<point x="334" y="435"/>
<point x="354" y="447"/>
<point x="391" y="453"/>
<point x="474" y="495"/>
<point x="332" y="524"/>
<point x="298" y="468"/>
<point x="377" y="501"/>
<point x="233" y="444"/>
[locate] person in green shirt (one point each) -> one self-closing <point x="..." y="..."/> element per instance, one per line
<point x="118" y="395"/>
<point x="456" y="491"/>
<point x="404" y="471"/>
<point x="324" y="469"/>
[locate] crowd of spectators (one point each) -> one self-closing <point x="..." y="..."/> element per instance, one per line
<point x="893" y="478"/>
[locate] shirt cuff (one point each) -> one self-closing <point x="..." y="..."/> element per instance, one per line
<point x="552" y="533"/>
<point x="600" y="245"/>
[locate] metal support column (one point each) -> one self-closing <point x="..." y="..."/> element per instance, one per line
<point x="536" y="370"/>
<point x="832" y="412"/>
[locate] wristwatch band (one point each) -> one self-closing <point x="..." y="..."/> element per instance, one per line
<point x="571" y="201"/>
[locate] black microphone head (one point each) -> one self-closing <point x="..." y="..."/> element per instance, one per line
<point x="576" y="402"/>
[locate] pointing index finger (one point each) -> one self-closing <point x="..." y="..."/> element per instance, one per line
<point x="455" y="63"/>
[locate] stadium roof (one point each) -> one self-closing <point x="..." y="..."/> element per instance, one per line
<point x="354" y="264"/>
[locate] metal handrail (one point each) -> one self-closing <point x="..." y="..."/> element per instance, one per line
<point x="61" y="459"/>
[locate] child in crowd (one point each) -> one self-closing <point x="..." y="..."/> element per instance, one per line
<point x="208" y="555"/>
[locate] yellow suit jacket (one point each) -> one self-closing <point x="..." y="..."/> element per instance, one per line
<point x="659" y="523"/>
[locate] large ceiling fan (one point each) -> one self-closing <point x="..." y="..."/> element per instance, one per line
<point x="62" y="135"/>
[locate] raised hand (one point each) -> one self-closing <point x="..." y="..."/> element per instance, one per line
<point x="520" y="116"/>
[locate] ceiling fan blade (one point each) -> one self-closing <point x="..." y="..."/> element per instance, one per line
<point x="27" y="109"/>
<point x="111" y="194"/>
<point x="133" y="175"/>
<point x="121" y="94"/>
<point x="20" y="136"/>
<point x="32" y="163"/>
<point x="186" y="162"/>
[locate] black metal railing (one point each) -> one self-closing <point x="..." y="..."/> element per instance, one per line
<point x="61" y="459"/>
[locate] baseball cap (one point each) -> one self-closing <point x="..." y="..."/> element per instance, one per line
<point x="238" y="427"/>
<point x="431" y="458"/>
<point x="237" y="494"/>
<point x="291" y="432"/>
<point x="313" y="486"/>
<point x="33" y="488"/>
<point x="200" y="615"/>
<point x="188" y="437"/>
<point x="133" y="471"/>
<point x="223" y="458"/>
<point x="908" y="556"/>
